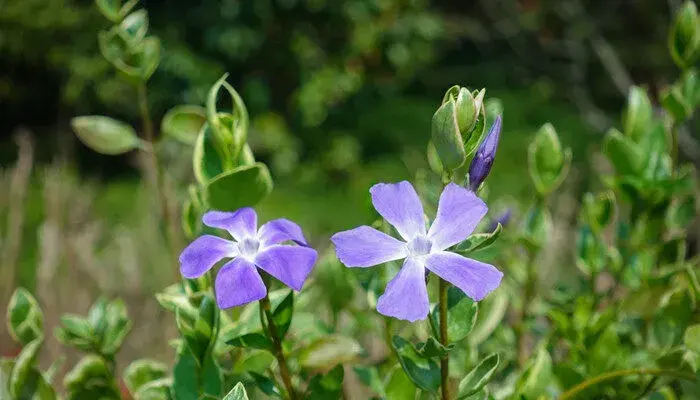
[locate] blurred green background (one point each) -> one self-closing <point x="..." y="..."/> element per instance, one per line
<point x="340" y="93"/>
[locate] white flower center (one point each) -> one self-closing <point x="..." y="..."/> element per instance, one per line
<point x="248" y="247"/>
<point x="419" y="246"/>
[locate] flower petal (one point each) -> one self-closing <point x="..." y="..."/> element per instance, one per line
<point x="280" y="230"/>
<point x="237" y="283"/>
<point x="365" y="246"/>
<point x="474" y="278"/>
<point x="289" y="264"/>
<point x="240" y="224"/>
<point x="399" y="204"/>
<point x="406" y="296"/>
<point x="459" y="211"/>
<point x="203" y="253"/>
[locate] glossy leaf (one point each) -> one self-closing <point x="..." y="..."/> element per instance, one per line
<point x="256" y="340"/>
<point x="184" y="123"/>
<point x="282" y="314"/>
<point x="105" y="135"/>
<point x="265" y="384"/>
<point x="461" y="315"/>
<point x="329" y="351"/>
<point x="425" y="373"/>
<point x="241" y="187"/>
<point x="478" y="377"/>
<point x="25" y="320"/>
<point x="433" y="348"/>
<point x="478" y="241"/>
<point x="237" y="393"/>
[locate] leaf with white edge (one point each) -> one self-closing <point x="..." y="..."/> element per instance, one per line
<point x="90" y="379"/>
<point x="425" y="373"/>
<point x="478" y="241"/>
<point x="231" y="131"/>
<point x="237" y="393"/>
<point x="117" y="327"/>
<point x="25" y="320"/>
<point x="184" y="123"/>
<point x="23" y="364"/>
<point x="241" y="187"/>
<point x="265" y="384"/>
<point x="105" y="135"/>
<point x="141" y="372"/>
<point x="479" y="376"/>
<point x="76" y="331"/>
<point x="328" y="352"/>
<point x="135" y="27"/>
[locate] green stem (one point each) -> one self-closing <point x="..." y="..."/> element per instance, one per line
<point x="571" y="393"/>
<point x="276" y="345"/>
<point x="153" y="170"/>
<point x="444" y="340"/>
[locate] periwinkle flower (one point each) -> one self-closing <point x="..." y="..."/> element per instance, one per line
<point x="238" y="281"/>
<point x="485" y="155"/>
<point x="406" y="295"/>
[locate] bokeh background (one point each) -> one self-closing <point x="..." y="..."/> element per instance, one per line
<point x="340" y="93"/>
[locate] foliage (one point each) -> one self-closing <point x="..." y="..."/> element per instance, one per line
<point x="625" y="325"/>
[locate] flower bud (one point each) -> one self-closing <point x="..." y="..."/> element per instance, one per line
<point x="484" y="157"/>
<point x="684" y="40"/>
<point x="466" y="111"/>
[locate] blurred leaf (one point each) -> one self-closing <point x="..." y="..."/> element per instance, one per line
<point x="135" y="27"/>
<point x="492" y="310"/>
<point x="174" y="298"/>
<point x="681" y="212"/>
<point x="117" y="326"/>
<point x="110" y="9"/>
<point x="425" y="373"/>
<point x="328" y="386"/>
<point x="623" y="153"/>
<point x="256" y="340"/>
<point x="670" y="321"/>
<point x="265" y="384"/>
<point x="184" y="123"/>
<point x="548" y="162"/>
<point x="461" y="315"/>
<point x="148" y="57"/>
<point x="637" y="116"/>
<point x="446" y="136"/>
<point x="90" y="379"/>
<point x="141" y="372"/>
<point x="35" y="386"/>
<point x="599" y="210"/>
<point x="105" y="135"/>
<point x="25" y="321"/>
<point x="76" y="331"/>
<point x="673" y="101"/>
<point x="479" y="376"/>
<point x="536" y="376"/>
<point x="692" y="338"/>
<point x="537" y="226"/>
<point x="328" y="352"/>
<point x="241" y="187"/>
<point x="237" y="393"/>
<point x="369" y="376"/>
<point x="398" y="385"/>
<point x="684" y="40"/>
<point x="605" y="354"/>
<point x="23" y="366"/>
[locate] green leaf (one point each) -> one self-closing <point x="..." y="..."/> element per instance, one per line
<point x="670" y="321"/>
<point x="681" y="213"/>
<point x="184" y="123"/>
<point x="265" y="384"/>
<point x="683" y="39"/>
<point x="461" y="315"/>
<point x="446" y="136"/>
<point x="105" y="135"/>
<point x="256" y="340"/>
<point x="605" y="354"/>
<point x="599" y="210"/>
<point x="637" y="117"/>
<point x="433" y="348"/>
<point x="492" y="310"/>
<point x="537" y="226"/>
<point x="25" y="321"/>
<point x="207" y="161"/>
<point x="675" y="103"/>
<point x="23" y="365"/>
<point x="398" y="385"/>
<point x="35" y="386"/>
<point x="329" y="351"/>
<point x="110" y="9"/>
<point x="425" y="373"/>
<point x="467" y="112"/>
<point x="174" y="298"/>
<point x="141" y="372"/>
<point x="478" y="241"/>
<point x="135" y="27"/>
<point x="479" y="376"/>
<point x="691" y="339"/>
<point x="148" y="57"/>
<point x="237" y="393"/>
<point x="117" y="326"/>
<point x="369" y="376"/>
<point x="231" y="130"/>
<point x="536" y="376"/>
<point x="90" y="379"/>
<point x="547" y="161"/>
<point x="241" y="187"/>
<point x="76" y="331"/>
<point x="190" y="381"/>
<point x="623" y="153"/>
<point x="282" y="314"/>
<point x="327" y="386"/>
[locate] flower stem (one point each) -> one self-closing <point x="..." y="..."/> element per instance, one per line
<point x="444" y="340"/>
<point x="277" y="345"/>
<point x="152" y="169"/>
<point x="571" y="393"/>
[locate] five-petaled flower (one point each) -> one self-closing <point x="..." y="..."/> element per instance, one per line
<point x="238" y="281"/>
<point x="406" y="295"/>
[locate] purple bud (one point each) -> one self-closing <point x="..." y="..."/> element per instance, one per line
<point x="485" y="154"/>
<point x="502" y="219"/>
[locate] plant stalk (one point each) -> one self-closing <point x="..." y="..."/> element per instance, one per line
<point x="277" y="346"/>
<point x="571" y="393"/>
<point x="445" y="341"/>
<point x="152" y="169"/>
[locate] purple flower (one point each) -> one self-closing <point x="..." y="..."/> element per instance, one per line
<point x="483" y="159"/>
<point x="238" y="281"/>
<point x="406" y="296"/>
